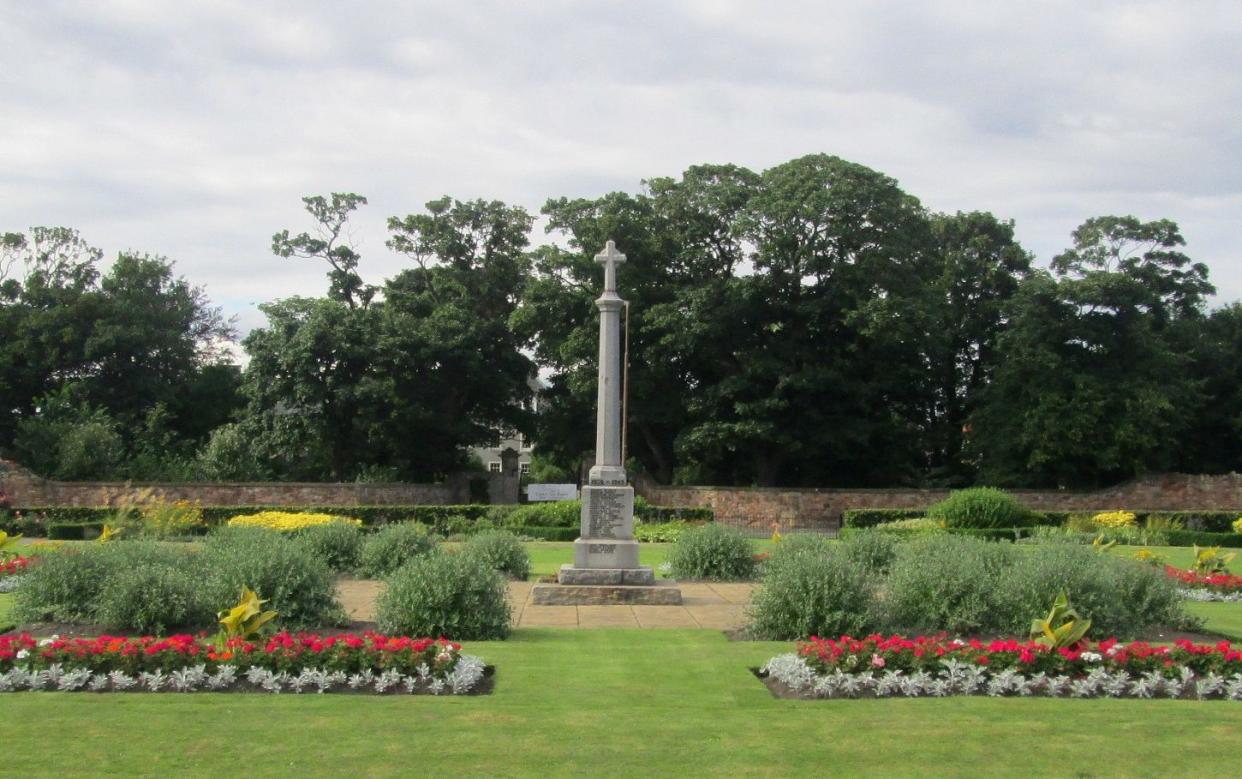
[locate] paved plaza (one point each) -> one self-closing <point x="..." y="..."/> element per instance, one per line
<point x="717" y="606"/>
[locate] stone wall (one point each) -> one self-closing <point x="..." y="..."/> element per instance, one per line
<point x="21" y="489"/>
<point x="760" y="508"/>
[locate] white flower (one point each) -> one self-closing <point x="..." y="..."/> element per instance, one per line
<point x="1091" y="657"/>
<point x="22" y="654"/>
<point x="46" y="641"/>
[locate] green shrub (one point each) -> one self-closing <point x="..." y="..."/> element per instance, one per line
<point x="945" y="582"/>
<point x="980" y="507"/>
<point x="338" y="544"/>
<point x="1122" y="597"/>
<point x="501" y="551"/>
<point x="872" y="549"/>
<point x="296" y="583"/>
<point x="66" y="586"/>
<point x="713" y="552"/>
<point x="558" y="513"/>
<point x="453" y="595"/>
<point x="153" y="599"/>
<point x="394" y="546"/>
<point x="812" y="589"/>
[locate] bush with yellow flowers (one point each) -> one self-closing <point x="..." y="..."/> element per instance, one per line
<point x="1114" y="519"/>
<point x="287" y="521"/>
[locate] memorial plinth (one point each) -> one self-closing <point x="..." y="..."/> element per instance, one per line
<point x="605" y="568"/>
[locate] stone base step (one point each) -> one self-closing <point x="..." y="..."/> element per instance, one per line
<point x="664" y="593"/>
<point x="643" y="575"/>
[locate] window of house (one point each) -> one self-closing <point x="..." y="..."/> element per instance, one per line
<point x="493" y="467"/>
<point x="524" y="468"/>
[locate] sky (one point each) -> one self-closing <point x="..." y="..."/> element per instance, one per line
<point x="193" y="130"/>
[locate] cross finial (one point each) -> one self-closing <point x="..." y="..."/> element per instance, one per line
<point x="610" y="258"/>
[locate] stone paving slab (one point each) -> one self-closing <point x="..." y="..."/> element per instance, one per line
<point x="729" y="617"/>
<point x="605" y="616"/>
<point x="733" y="592"/>
<point x="551" y="617"/>
<point x="664" y="617"/>
<point x="713" y="605"/>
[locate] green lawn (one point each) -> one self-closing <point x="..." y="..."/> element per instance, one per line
<point x="6" y="607"/>
<point x="1222" y="618"/>
<point x="548" y="556"/>
<point x="611" y="703"/>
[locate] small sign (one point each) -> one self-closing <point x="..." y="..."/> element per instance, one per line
<point x="540" y="492"/>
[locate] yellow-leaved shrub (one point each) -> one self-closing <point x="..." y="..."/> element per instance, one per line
<point x="1114" y="519"/>
<point x="288" y="521"/>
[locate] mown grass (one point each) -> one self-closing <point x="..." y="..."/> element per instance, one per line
<point x="610" y="703"/>
<point x="6" y="610"/>
<point x="1222" y="618"/>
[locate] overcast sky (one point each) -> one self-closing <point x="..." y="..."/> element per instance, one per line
<point x="193" y="130"/>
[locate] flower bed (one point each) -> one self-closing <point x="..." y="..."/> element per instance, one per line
<point x="14" y="566"/>
<point x="11" y="572"/>
<point x="939" y="666"/>
<point x="296" y="662"/>
<point x="288" y="521"/>
<point x="1210" y="587"/>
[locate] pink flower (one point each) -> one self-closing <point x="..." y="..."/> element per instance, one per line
<point x="877" y="661"/>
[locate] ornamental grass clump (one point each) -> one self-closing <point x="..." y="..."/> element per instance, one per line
<point x="441" y="594"/>
<point x="980" y="507"/>
<point x="713" y="552"/>
<point x="392" y="547"/>
<point x="812" y="588"/>
<point x="286" y="521"/>
<point x="501" y="551"/>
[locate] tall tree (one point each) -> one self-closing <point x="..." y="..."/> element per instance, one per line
<point x="981" y="266"/>
<point x="124" y="346"/>
<point x="831" y="365"/>
<point x="451" y="365"/>
<point x="1092" y="383"/>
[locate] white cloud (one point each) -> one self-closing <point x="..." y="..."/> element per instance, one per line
<point x="193" y="130"/>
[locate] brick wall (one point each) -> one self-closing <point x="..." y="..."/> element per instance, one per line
<point x="22" y="489"/>
<point x="760" y="508"/>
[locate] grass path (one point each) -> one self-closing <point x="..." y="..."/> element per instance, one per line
<point x="611" y="703"/>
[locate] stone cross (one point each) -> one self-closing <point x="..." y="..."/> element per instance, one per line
<point x="610" y="258"/>
<point x="605" y="568"/>
<point x="608" y="469"/>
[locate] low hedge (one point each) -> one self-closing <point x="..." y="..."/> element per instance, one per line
<point x="1202" y="538"/>
<point x="660" y="515"/>
<point x="444" y="520"/>
<point x="871" y="517"/>
<point x="549" y="533"/>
